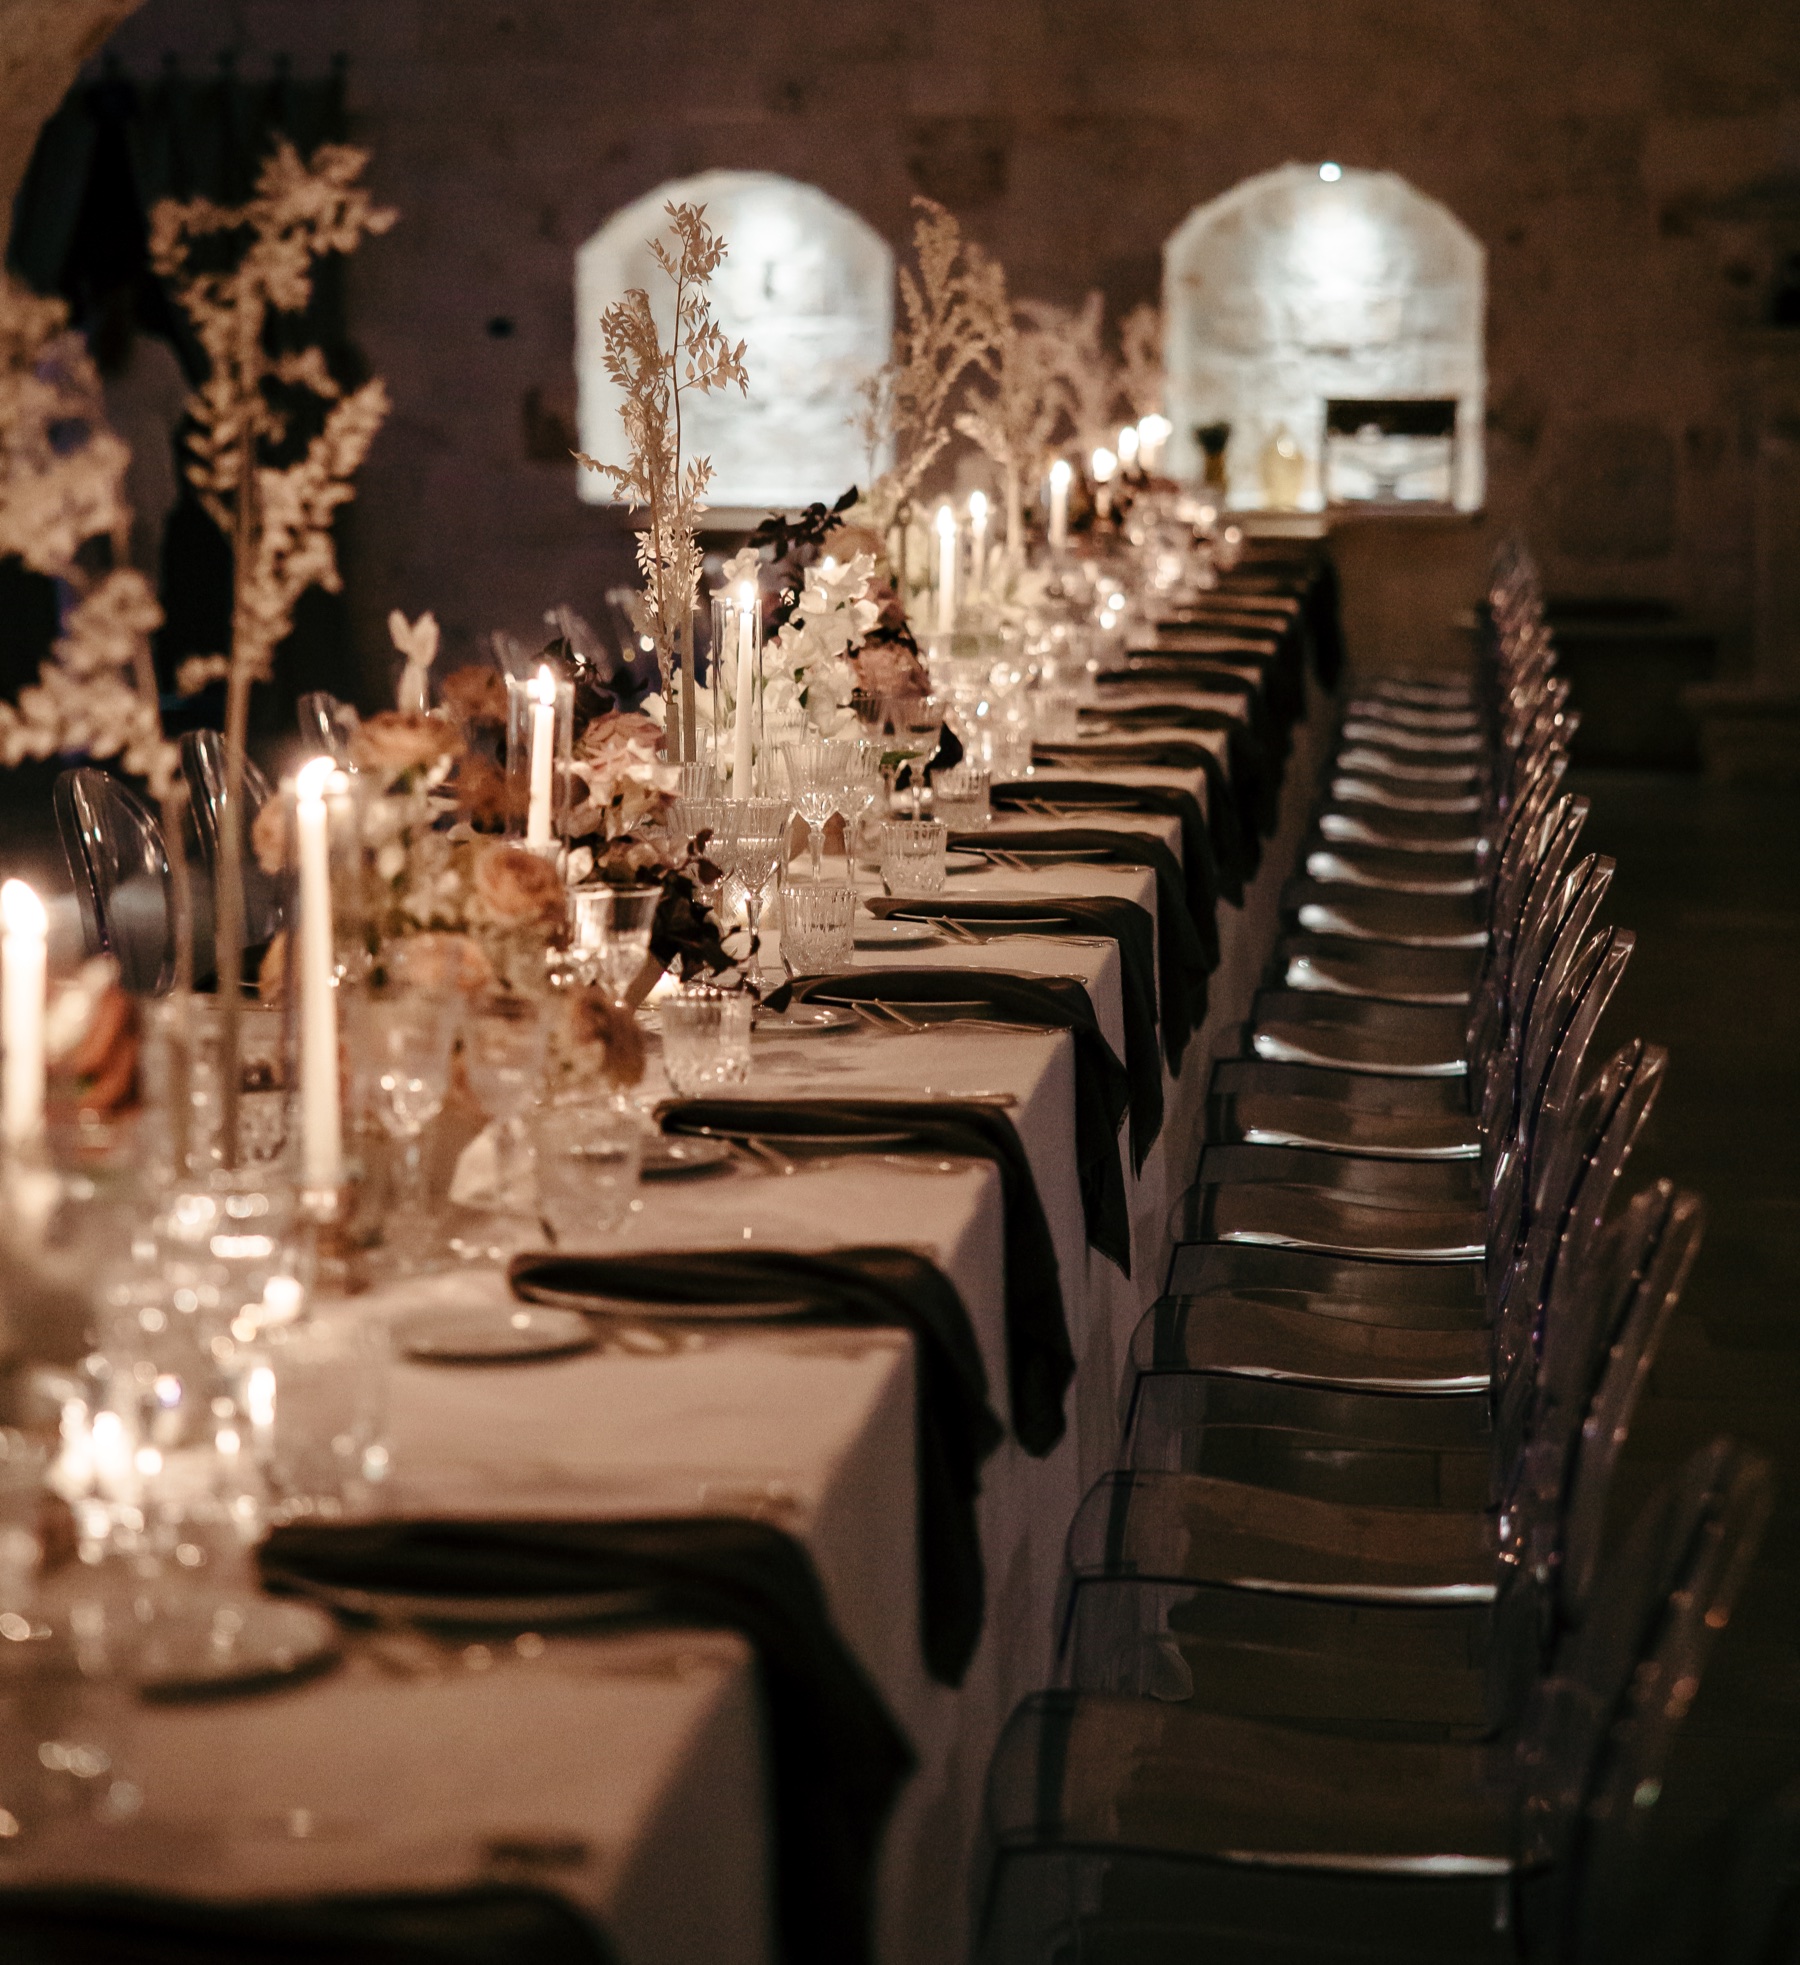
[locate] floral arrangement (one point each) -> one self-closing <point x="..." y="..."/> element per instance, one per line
<point x="417" y="642"/>
<point x="657" y="479"/>
<point x="618" y="759"/>
<point x="1086" y="375"/>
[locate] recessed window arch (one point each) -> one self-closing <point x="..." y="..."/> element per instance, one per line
<point x="806" y="284"/>
<point x="1311" y="284"/>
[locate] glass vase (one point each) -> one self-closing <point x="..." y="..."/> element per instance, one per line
<point x="739" y="748"/>
<point x="540" y="742"/>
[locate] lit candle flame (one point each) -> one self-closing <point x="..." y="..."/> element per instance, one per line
<point x="21" y="911"/>
<point x="543" y="685"/>
<point x="1104" y="465"/>
<point x="1060" y="474"/>
<point x="978" y="508"/>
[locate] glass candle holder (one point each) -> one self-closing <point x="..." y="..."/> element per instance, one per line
<point x="540" y="742"/>
<point x="739" y="753"/>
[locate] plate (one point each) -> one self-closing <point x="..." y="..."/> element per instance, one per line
<point x="895" y="934"/>
<point x="215" y="1642"/>
<point x="804" y="1020"/>
<point x="669" y="1158"/>
<point x="481" y="1336"/>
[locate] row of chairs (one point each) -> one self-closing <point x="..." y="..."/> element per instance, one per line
<point x="119" y="864"/>
<point x="1347" y="1667"/>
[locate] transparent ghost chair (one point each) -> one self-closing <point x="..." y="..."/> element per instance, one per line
<point x="120" y="869"/>
<point x="203" y="766"/>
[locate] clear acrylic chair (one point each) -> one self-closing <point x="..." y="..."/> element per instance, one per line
<point x="120" y="869"/>
<point x="203" y="766"/>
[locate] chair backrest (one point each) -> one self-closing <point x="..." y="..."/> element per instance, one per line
<point x="328" y="724"/>
<point x="203" y="765"/>
<point x="120" y="870"/>
<point x="1633" y="1670"/>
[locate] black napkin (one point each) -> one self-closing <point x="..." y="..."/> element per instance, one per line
<point x="837" y="1758"/>
<point x="486" y="1924"/>
<point x="955" y="1431"/>
<point x="1185" y="908"/>
<point x="1039" y="1358"/>
<point x="1255" y="751"/>
<point x="1199" y="870"/>
<point x="1105" y="1090"/>
<point x="1235" y="839"/>
<point x="1144" y="963"/>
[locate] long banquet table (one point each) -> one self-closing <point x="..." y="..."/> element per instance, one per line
<point x="626" y="1771"/>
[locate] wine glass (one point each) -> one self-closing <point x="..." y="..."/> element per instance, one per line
<point x="402" y="1050"/>
<point x="908" y="729"/>
<point x="612" y="935"/>
<point x="753" y="835"/>
<point x="505" y="1040"/>
<point x="816" y="774"/>
<point x="858" y="793"/>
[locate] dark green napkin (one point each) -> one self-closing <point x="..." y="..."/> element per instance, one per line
<point x="486" y="1924"/>
<point x="1185" y="908"/>
<point x="955" y="1430"/>
<point x="1230" y="800"/>
<point x="1199" y="870"/>
<point x="1039" y="1358"/>
<point x="837" y="1758"/>
<point x="1156" y="987"/>
<point x="1105" y="1090"/>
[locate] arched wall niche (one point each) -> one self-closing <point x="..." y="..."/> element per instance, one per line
<point x="1296" y="287"/>
<point x="806" y="284"/>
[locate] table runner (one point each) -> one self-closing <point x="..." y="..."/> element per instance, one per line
<point x="956" y="1429"/>
<point x="1039" y="1358"/>
<point x="838" y="1761"/>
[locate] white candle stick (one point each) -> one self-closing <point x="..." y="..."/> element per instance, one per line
<point x="1060" y="474"/>
<point x="741" y="749"/>
<point x="321" y="1111"/>
<point x="1128" y="446"/>
<point x="1152" y="433"/>
<point x="978" y="517"/>
<point x="22" y="1014"/>
<point x="946" y="594"/>
<point x="543" y="759"/>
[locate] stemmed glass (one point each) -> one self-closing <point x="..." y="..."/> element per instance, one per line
<point x="403" y="1058"/>
<point x="857" y="793"/>
<point x="817" y="773"/>
<point x="751" y="839"/>
<point x="908" y="729"/>
<point x="612" y="935"/>
<point x="505" y="1038"/>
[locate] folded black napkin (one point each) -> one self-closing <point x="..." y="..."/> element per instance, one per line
<point x="1185" y="908"/>
<point x="1256" y="750"/>
<point x="837" y="1758"/>
<point x="1039" y="1358"/>
<point x="1105" y="1090"/>
<point x="1199" y="870"/>
<point x="1230" y="794"/>
<point x="1119" y="920"/>
<point x="486" y="1924"/>
<point x="955" y="1430"/>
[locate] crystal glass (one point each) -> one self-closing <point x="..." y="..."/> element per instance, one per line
<point x="588" y="1155"/>
<point x="912" y="856"/>
<point x="400" y="1060"/>
<point x="1058" y="713"/>
<point x="752" y="835"/>
<point x="739" y="749"/>
<point x="817" y="775"/>
<point x="859" y="792"/>
<point x="505" y="1042"/>
<point x="908" y="730"/>
<point x="705" y="1038"/>
<point x="816" y="922"/>
<point x="959" y="797"/>
<point x="611" y="935"/>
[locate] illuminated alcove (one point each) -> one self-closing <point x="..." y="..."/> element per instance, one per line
<point x="1311" y="284"/>
<point x="806" y="284"/>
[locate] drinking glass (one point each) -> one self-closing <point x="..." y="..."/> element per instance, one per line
<point x="705" y="1038"/>
<point x="612" y="935"/>
<point x="401" y="1057"/>
<point x="1058" y="713"/>
<point x="908" y="730"/>
<point x="858" y="793"/>
<point x="817" y="773"/>
<point x="912" y="856"/>
<point x="588" y="1155"/>
<point x="505" y="1038"/>
<point x="816" y="922"/>
<point x="754" y="832"/>
<point x="959" y="797"/>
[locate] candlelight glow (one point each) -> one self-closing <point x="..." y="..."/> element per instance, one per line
<point x="543" y="685"/>
<point x="978" y="508"/>
<point x="1104" y="464"/>
<point x="1128" y="445"/>
<point x="21" y="910"/>
<point x="1060" y="474"/>
<point x="313" y="780"/>
<point x="946" y="522"/>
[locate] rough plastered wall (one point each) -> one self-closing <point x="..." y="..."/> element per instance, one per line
<point x="1631" y="167"/>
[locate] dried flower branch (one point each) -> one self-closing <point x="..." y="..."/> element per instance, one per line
<point x="1141" y="360"/>
<point x="236" y="270"/>
<point x="652" y="379"/>
<point x="1088" y="374"/>
<point x="952" y="302"/>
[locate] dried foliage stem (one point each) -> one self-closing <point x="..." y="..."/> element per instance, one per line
<point x="271" y="488"/>
<point x="656" y="478"/>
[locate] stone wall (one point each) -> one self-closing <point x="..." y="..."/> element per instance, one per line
<point x="1631" y="169"/>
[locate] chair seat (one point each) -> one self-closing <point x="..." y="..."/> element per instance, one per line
<point x="1437" y="739"/>
<point x="1406" y="770"/>
<point x="1392" y="872"/>
<point x="1357" y="792"/>
<point x="1303" y="1218"/>
<point x="1334" y="965"/>
<point x="1448" y="719"/>
<point x="1383" y="1182"/>
<point x="1362" y="1091"/>
<point x="1345" y="1033"/>
<point x="1411" y="920"/>
<point x="1398" y="833"/>
<point x="1443" y="1296"/>
<point x="1327" y="1125"/>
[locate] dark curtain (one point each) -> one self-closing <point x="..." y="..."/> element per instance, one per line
<point x="81" y="230"/>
